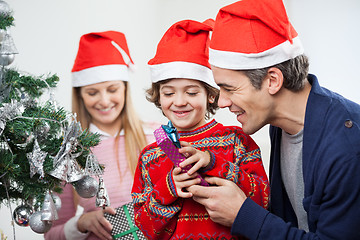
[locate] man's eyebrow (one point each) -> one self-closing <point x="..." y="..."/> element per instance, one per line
<point x="224" y="85"/>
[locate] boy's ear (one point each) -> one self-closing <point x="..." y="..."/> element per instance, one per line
<point x="275" y="80"/>
<point x="211" y="99"/>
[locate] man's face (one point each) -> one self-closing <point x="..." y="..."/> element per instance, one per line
<point x="251" y="106"/>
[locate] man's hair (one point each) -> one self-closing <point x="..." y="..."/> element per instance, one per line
<point x="294" y="71"/>
<point x="153" y="95"/>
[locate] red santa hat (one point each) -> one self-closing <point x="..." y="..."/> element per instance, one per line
<point x="253" y="34"/>
<point x="102" y="56"/>
<point x="183" y="52"/>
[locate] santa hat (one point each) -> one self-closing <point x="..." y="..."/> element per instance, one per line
<point x="102" y="56"/>
<point x="183" y="52"/>
<point x="253" y="34"/>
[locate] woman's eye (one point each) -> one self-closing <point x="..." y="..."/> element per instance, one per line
<point x="112" y="90"/>
<point x="168" y="94"/>
<point x="91" y="93"/>
<point x="192" y="93"/>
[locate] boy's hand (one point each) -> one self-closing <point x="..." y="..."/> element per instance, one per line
<point x="183" y="181"/>
<point x="198" y="158"/>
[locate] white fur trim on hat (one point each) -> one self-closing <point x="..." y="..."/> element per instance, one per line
<point x="179" y="69"/>
<point x="248" y="61"/>
<point x="100" y="74"/>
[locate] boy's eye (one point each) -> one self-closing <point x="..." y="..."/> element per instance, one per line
<point x="192" y="93"/>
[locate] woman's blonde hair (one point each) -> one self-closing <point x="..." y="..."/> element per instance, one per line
<point x="135" y="139"/>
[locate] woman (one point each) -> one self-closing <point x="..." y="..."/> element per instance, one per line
<point x="102" y="102"/>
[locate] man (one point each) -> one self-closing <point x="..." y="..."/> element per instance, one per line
<point x="257" y="60"/>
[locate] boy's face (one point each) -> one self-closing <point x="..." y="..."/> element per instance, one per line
<point x="253" y="108"/>
<point x="183" y="102"/>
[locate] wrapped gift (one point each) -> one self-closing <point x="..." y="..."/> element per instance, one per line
<point x="123" y="223"/>
<point x="167" y="139"/>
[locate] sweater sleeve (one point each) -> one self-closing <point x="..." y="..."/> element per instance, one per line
<point x="155" y="203"/>
<point x="71" y="230"/>
<point x="67" y="211"/>
<point x="246" y="169"/>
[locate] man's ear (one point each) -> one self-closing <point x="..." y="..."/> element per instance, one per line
<point x="275" y="80"/>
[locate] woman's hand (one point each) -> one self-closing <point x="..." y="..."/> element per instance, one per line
<point x="198" y="158"/>
<point x="96" y="223"/>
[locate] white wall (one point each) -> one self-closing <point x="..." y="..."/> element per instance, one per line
<point x="330" y="32"/>
<point x="46" y="34"/>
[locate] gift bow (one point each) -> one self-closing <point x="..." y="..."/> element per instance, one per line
<point x="172" y="133"/>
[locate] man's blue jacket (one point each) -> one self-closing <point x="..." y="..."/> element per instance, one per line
<point x="331" y="170"/>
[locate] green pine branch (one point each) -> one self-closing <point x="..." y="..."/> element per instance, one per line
<point x="87" y="140"/>
<point x="6" y="20"/>
<point x="33" y="86"/>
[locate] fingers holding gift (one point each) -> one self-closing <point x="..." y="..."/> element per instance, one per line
<point x="99" y="229"/>
<point x="197" y="158"/>
<point x="95" y="222"/>
<point x="183" y="180"/>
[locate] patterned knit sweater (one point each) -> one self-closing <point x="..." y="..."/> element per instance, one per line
<point x="161" y="214"/>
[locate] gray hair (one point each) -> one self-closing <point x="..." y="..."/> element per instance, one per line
<point x="294" y="71"/>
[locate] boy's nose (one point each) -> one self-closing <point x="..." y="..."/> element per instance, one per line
<point x="180" y="100"/>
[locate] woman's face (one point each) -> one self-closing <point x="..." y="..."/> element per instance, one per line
<point x="104" y="101"/>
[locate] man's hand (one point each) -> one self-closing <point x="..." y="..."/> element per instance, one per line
<point x="222" y="200"/>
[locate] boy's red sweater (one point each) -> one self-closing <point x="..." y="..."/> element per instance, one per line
<point x="161" y="214"/>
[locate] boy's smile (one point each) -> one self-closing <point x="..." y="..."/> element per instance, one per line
<point x="184" y="102"/>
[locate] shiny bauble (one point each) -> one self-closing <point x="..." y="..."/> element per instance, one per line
<point x="6" y="59"/>
<point x="87" y="187"/>
<point x="37" y="225"/>
<point x="57" y="201"/>
<point x="21" y="215"/>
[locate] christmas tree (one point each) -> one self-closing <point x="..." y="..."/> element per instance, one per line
<point x="42" y="146"/>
